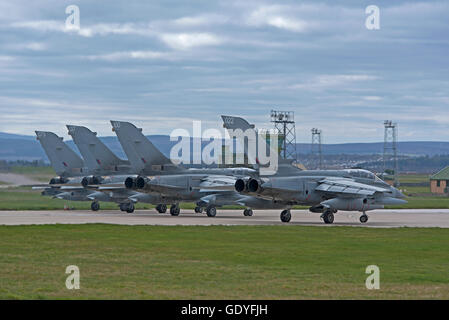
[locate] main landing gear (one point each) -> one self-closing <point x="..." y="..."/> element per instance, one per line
<point x="175" y="210"/>
<point x="247" y="212"/>
<point x="211" y="211"/>
<point x="95" y="206"/>
<point x="286" y="216"/>
<point x="364" y="218"/>
<point x="328" y="217"/>
<point x="161" y="208"/>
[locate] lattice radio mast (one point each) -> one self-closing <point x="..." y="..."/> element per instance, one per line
<point x="316" y="147"/>
<point x="284" y="124"/>
<point x="391" y="148"/>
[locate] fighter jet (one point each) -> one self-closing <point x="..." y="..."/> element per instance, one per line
<point x="68" y="166"/>
<point x="105" y="168"/>
<point x="110" y="172"/>
<point x="158" y="176"/>
<point x="325" y="191"/>
<point x="75" y="176"/>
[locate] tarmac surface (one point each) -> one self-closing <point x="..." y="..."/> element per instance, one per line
<point x="377" y="218"/>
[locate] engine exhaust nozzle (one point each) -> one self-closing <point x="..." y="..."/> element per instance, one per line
<point x="130" y="183"/>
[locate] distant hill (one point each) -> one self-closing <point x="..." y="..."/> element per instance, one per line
<point x="22" y="147"/>
<point x="4" y="135"/>
<point x="411" y="148"/>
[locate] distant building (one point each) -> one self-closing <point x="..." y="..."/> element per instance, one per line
<point x="439" y="182"/>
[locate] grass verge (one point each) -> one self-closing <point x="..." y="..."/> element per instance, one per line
<point x="220" y="262"/>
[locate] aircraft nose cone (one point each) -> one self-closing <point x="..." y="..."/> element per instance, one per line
<point x="397" y="193"/>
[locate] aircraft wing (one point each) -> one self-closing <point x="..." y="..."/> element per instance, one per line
<point x="348" y="187"/>
<point x="217" y="183"/>
<point x="106" y="187"/>
<point x="59" y="187"/>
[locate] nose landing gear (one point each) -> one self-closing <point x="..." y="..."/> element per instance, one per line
<point x="198" y="209"/>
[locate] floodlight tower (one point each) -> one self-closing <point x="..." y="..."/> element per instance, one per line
<point x="284" y="124"/>
<point x="316" y="146"/>
<point x="391" y="148"/>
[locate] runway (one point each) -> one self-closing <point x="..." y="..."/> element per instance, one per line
<point x="379" y="218"/>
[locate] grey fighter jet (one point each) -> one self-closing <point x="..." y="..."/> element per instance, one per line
<point x="68" y="166"/>
<point x="75" y="176"/>
<point x="109" y="173"/>
<point x="325" y="191"/>
<point x="158" y="176"/>
<point x="105" y="168"/>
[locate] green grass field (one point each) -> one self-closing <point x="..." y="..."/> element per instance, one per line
<point x="219" y="262"/>
<point x="43" y="174"/>
<point x="414" y="178"/>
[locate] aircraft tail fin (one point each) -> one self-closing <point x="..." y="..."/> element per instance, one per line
<point x="95" y="153"/>
<point x="233" y="125"/>
<point x="142" y="154"/>
<point x="283" y="166"/>
<point x="63" y="159"/>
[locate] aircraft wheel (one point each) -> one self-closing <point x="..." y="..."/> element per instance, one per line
<point x="363" y="218"/>
<point x="95" y="206"/>
<point x="130" y="208"/>
<point x="122" y="207"/>
<point x="161" y="208"/>
<point x="175" y="210"/>
<point x="328" y="217"/>
<point x="211" y="211"/>
<point x="198" y="209"/>
<point x="286" y="216"/>
<point x="248" y="212"/>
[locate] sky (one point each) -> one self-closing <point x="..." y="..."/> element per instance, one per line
<point x="163" y="64"/>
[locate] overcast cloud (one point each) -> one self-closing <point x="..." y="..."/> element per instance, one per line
<point x="162" y="64"/>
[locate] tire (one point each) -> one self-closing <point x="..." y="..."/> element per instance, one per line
<point x="286" y="216"/>
<point x="198" y="209"/>
<point x="211" y="211"/>
<point x="245" y="212"/>
<point x="95" y="206"/>
<point x="328" y="218"/>
<point x="122" y="207"/>
<point x="249" y="212"/>
<point x="174" y="210"/>
<point x="363" y="218"/>
<point x="130" y="208"/>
